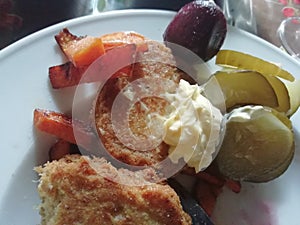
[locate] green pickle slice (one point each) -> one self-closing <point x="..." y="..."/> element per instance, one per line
<point x="258" y="145"/>
<point x="240" y="60"/>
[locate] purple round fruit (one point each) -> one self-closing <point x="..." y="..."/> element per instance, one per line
<point x="199" y="26"/>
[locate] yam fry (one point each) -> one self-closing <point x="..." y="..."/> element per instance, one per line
<point x="205" y="194"/>
<point x="233" y="185"/>
<point x="63" y="127"/>
<point x="65" y="37"/>
<point x="81" y="51"/>
<point x="119" y="58"/>
<point x="216" y="190"/>
<point x="211" y="179"/>
<point x="110" y="41"/>
<point x="206" y="175"/>
<point x="85" y="51"/>
<point x="61" y="148"/>
<point x="116" y="39"/>
<point x="67" y="74"/>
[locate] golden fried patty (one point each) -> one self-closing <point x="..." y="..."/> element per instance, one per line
<point x="74" y="192"/>
<point x="157" y="62"/>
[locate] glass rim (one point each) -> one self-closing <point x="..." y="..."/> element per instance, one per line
<point x="281" y="34"/>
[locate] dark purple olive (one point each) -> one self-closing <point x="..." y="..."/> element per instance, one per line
<point x="199" y="26"/>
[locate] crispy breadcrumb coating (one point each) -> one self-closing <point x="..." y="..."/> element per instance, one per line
<point x="74" y="192"/>
<point x="158" y="62"/>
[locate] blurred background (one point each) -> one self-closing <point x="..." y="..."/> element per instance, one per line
<point x="19" y="18"/>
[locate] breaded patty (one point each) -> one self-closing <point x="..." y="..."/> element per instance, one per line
<point x="74" y="192"/>
<point x="158" y="62"/>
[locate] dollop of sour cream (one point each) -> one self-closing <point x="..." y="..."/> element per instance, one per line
<point x="193" y="127"/>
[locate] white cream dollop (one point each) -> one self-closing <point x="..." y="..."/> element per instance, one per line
<point x="246" y="113"/>
<point x="193" y="128"/>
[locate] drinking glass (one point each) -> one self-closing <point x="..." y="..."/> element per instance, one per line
<point x="277" y="21"/>
<point x="289" y="36"/>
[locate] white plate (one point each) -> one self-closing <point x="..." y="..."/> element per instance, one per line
<point x="24" y="67"/>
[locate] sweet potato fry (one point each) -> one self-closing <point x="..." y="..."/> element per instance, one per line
<point x="233" y="185"/>
<point x="81" y="51"/>
<point x="63" y="127"/>
<point x="65" y="37"/>
<point x="209" y="186"/>
<point x="211" y="179"/>
<point x="61" y="148"/>
<point x="67" y="74"/>
<point x="206" y="175"/>
<point x="205" y="194"/>
<point x="116" y="39"/>
<point x="216" y="190"/>
<point x="85" y="51"/>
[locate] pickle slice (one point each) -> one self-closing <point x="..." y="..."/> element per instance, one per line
<point x="287" y="93"/>
<point x="246" y="87"/>
<point x="294" y="95"/>
<point x="235" y="59"/>
<point x="281" y="92"/>
<point x="258" y="145"/>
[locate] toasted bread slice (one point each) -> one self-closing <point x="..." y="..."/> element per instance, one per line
<point x="75" y="192"/>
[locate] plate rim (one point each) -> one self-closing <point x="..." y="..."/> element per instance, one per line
<point x="27" y="40"/>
